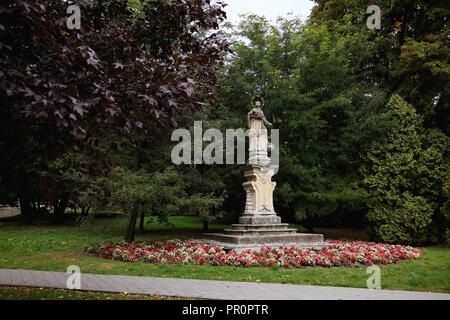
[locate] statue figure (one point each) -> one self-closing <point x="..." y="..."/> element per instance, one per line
<point x="259" y="144"/>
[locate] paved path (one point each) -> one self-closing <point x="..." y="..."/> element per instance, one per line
<point x="206" y="289"/>
<point x="5" y="213"/>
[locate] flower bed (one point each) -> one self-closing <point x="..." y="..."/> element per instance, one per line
<point x="339" y="253"/>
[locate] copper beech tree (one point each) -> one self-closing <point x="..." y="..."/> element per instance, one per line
<point x="132" y="66"/>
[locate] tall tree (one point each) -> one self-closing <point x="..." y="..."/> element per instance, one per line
<point x="404" y="175"/>
<point x="325" y="115"/>
<point x="409" y="53"/>
<point x="125" y="70"/>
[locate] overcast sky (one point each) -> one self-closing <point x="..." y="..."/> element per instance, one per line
<point x="271" y="9"/>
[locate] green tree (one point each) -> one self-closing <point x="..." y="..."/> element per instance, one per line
<point x="445" y="209"/>
<point x="139" y="190"/>
<point x="326" y="116"/>
<point x="409" y="54"/>
<point x="403" y="176"/>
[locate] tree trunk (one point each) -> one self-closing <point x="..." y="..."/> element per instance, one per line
<point x="58" y="217"/>
<point x="85" y="211"/>
<point x="132" y="224"/>
<point x="205" y="225"/>
<point x="26" y="211"/>
<point x="60" y="208"/>
<point x="141" y="222"/>
<point x="35" y="208"/>
<point x="309" y="225"/>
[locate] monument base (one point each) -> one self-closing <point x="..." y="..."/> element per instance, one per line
<point x="261" y="230"/>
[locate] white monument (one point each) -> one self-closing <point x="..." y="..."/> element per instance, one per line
<point x="259" y="224"/>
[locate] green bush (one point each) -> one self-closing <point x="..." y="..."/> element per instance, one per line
<point x="404" y="175"/>
<point x="445" y="209"/>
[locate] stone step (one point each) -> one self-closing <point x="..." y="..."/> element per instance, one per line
<point x="260" y="219"/>
<point x="309" y="238"/>
<point x="260" y="226"/>
<point x="262" y="232"/>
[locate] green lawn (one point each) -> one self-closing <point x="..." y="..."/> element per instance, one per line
<point x="25" y="293"/>
<point x="51" y="248"/>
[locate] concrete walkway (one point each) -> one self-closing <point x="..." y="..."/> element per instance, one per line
<point x="206" y="289"/>
<point x="6" y="213"/>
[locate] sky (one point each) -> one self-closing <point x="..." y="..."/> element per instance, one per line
<point x="271" y="9"/>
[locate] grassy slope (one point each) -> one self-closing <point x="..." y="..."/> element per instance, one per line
<point x="24" y="293"/>
<point x="55" y="248"/>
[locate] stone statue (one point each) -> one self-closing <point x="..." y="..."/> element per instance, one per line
<point x="259" y="223"/>
<point x="259" y="144"/>
<point x="259" y="186"/>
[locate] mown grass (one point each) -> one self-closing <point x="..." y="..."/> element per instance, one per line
<point x="26" y="293"/>
<point x="51" y="248"/>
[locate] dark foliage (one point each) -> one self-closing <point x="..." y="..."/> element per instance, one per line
<point x="125" y="70"/>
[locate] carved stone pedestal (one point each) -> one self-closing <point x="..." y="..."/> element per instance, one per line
<point x="260" y="225"/>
